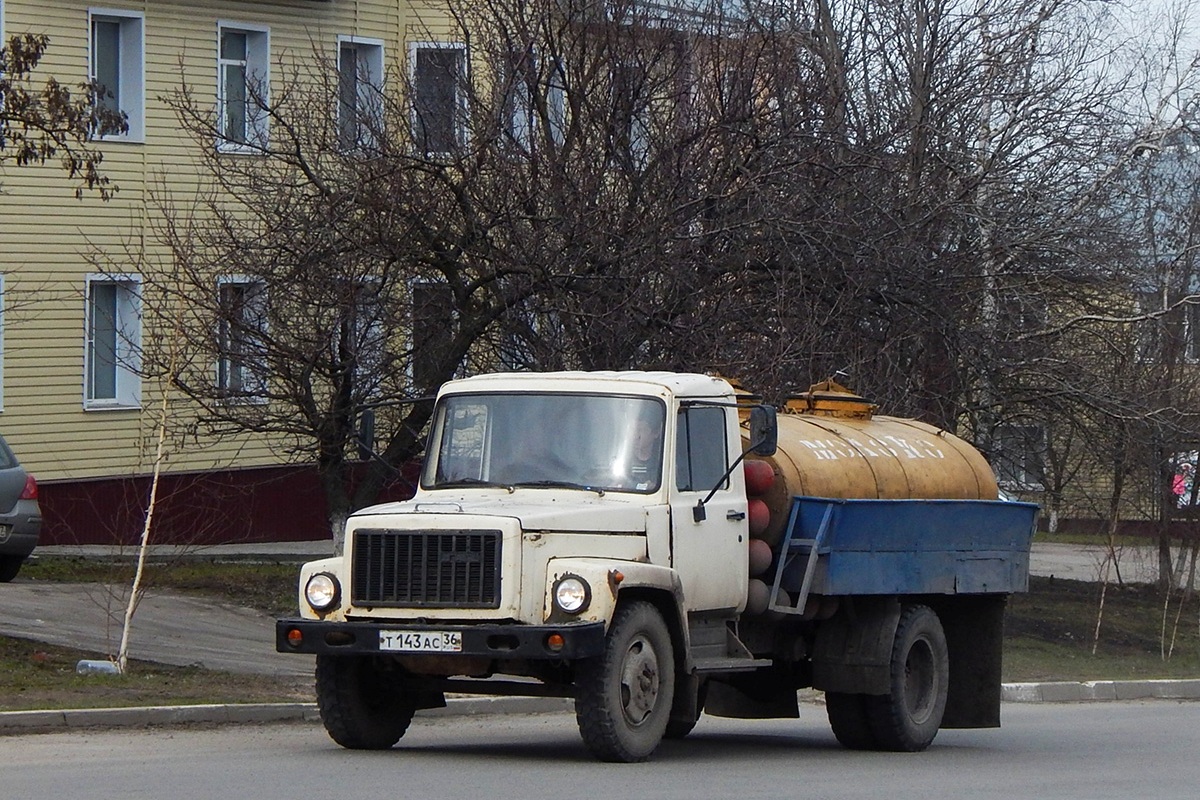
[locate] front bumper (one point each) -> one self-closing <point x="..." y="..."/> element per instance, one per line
<point x="504" y="642"/>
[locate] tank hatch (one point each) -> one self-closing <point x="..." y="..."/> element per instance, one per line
<point x="830" y="399"/>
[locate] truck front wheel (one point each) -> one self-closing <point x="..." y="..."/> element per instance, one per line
<point x="623" y="697"/>
<point x="908" y="717"/>
<point x="362" y="706"/>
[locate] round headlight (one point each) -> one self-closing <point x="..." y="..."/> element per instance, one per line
<point x="322" y="591"/>
<point x="572" y="594"/>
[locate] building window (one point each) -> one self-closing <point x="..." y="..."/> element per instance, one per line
<point x="432" y="318"/>
<point x="631" y="114"/>
<point x="438" y="97"/>
<point x="112" y="359"/>
<point x="1191" y="333"/>
<point x="243" y="83"/>
<point x="242" y="325"/>
<point x="362" y="335"/>
<point x="1018" y="458"/>
<point x="360" y="93"/>
<point x="534" y="96"/>
<point x="117" y="67"/>
<point x="1170" y="334"/>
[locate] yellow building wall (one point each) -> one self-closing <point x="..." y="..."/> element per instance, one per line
<point x="46" y="233"/>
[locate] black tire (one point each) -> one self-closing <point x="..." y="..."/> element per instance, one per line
<point x="362" y="706"/>
<point x="9" y="567"/>
<point x="623" y="697"/>
<point x="847" y="713"/>
<point x="908" y="717"/>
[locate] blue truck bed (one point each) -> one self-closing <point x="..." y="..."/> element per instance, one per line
<point x="904" y="547"/>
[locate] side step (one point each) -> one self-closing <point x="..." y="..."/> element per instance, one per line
<point x="716" y="648"/>
<point x="705" y="665"/>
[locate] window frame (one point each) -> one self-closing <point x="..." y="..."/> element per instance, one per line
<point x="694" y="459"/>
<point x="252" y="382"/>
<point x="131" y="80"/>
<point x="428" y="329"/>
<point x="1017" y="471"/>
<point x="459" y="123"/>
<point x="1191" y="333"/>
<point x="520" y="122"/>
<point x="368" y="95"/>
<point x="126" y="366"/>
<point x="257" y="65"/>
<point x="632" y="112"/>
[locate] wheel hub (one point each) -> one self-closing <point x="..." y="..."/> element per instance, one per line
<point x="920" y="681"/>
<point x="639" y="681"/>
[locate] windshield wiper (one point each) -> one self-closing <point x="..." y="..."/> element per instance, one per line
<point x="460" y="482"/>
<point x="561" y="485"/>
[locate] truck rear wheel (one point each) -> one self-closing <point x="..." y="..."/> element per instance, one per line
<point x="847" y="712"/>
<point x="908" y="717"/>
<point x="623" y="697"/>
<point x="362" y="706"/>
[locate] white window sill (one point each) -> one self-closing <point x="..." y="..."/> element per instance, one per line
<point x="121" y="138"/>
<point x="110" y="405"/>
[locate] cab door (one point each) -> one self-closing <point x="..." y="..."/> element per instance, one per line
<point x="711" y="553"/>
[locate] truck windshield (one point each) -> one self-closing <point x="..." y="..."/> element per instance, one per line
<point x="596" y="442"/>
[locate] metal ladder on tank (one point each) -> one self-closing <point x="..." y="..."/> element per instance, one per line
<point x="791" y="549"/>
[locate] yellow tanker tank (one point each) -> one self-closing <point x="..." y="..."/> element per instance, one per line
<point x="832" y="445"/>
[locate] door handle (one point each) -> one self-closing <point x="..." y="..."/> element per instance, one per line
<point x="735" y="515"/>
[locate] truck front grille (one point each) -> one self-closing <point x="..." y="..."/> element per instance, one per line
<point x="433" y="569"/>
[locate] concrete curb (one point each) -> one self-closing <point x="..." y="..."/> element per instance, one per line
<point x="19" y="722"/>
<point x="1092" y="691"/>
<point x="24" y="722"/>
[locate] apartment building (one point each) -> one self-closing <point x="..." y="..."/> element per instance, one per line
<point x="74" y="403"/>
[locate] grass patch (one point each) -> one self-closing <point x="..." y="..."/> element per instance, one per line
<point x="34" y="675"/>
<point x="1095" y="539"/>
<point x="1049" y="633"/>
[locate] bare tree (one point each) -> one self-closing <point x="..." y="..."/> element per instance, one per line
<point x="916" y="192"/>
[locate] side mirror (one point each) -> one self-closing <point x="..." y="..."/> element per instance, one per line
<point x="764" y="431"/>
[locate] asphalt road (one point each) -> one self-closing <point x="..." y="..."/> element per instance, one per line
<point x="1084" y="751"/>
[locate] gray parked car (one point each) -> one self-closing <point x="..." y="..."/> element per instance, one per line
<point x="20" y="516"/>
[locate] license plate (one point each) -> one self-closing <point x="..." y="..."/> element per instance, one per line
<point x="421" y="641"/>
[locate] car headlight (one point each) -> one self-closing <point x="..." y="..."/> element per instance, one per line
<point x="322" y="591"/>
<point x="572" y="594"/>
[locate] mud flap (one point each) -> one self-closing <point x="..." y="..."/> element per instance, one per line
<point x="974" y="629"/>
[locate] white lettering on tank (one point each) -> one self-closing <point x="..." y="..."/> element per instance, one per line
<point x="904" y="446"/>
<point x="835" y="449"/>
<point x="883" y="448"/>
<point x="820" y="450"/>
<point x="910" y="449"/>
<point x="862" y="448"/>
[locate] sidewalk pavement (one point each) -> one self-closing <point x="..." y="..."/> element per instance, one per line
<point x="1061" y="560"/>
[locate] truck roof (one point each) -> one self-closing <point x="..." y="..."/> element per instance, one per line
<point x="680" y="384"/>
